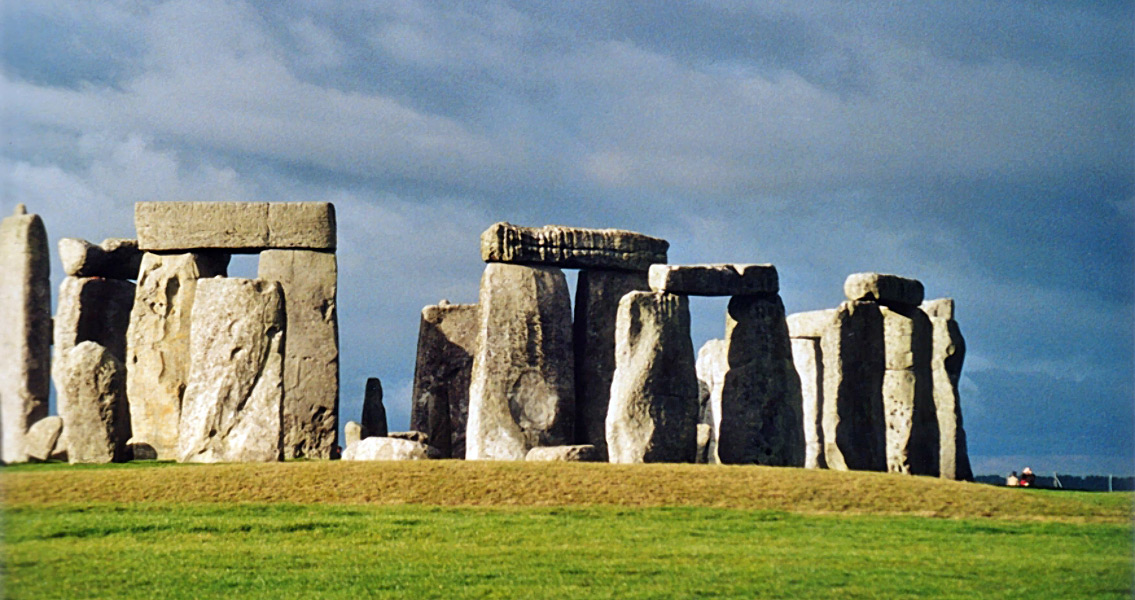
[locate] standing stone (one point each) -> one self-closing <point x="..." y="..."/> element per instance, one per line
<point x="157" y="347"/>
<point x="233" y="408"/>
<point x="42" y="438"/>
<point x="96" y="310"/>
<point x="25" y="336"/>
<point x="908" y="393"/>
<point x="854" y="425"/>
<point x="115" y="258"/>
<point x="654" y="395"/>
<point x="946" y="371"/>
<point x="522" y="393"/>
<point x="447" y="342"/>
<point x="810" y="367"/>
<point x="92" y="402"/>
<point x="311" y="361"/>
<point x="761" y="408"/>
<point x="572" y="247"/>
<point x="711" y="366"/>
<point x="705" y="433"/>
<point x="352" y="432"/>
<point x="597" y="298"/>
<point x="374" y="413"/>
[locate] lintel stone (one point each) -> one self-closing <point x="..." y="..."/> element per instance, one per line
<point x="811" y="324"/>
<point x="714" y="280"/>
<point x="235" y="226"/>
<point x="572" y="247"/>
<point x="885" y="289"/>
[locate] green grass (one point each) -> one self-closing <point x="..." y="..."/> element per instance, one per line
<point x="148" y="531"/>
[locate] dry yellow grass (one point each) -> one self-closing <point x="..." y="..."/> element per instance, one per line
<point x="460" y="483"/>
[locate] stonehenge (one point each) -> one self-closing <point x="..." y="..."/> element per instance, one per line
<point x="447" y="341"/>
<point x="946" y="369"/>
<point x="374" y="413"/>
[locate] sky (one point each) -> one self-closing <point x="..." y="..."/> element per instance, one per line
<point x="985" y="149"/>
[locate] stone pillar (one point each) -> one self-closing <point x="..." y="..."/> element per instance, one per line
<point x="654" y="393"/>
<point x="447" y="341"/>
<point x="311" y="362"/>
<point x="96" y="310"/>
<point x="854" y="425"/>
<point x="946" y="370"/>
<point x="25" y="337"/>
<point x="596" y="305"/>
<point x="761" y="406"/>
<point x="908" y="394"/>
<point x="91" y="383"/>
<point x="806" y="329"/>
<point x="711" y="367"/>
<point x="157" y="347"/>
<point x="374" y="413"/>
<point x="522" y="393"/>
<point x="233" y="410"/>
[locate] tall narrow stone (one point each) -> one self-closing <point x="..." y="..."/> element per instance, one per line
<point x="810" y="367"/>
<point x="374" y="413"/>
<point x="946" y="371"/>
<point x="597" y="298"/>
<point x="761" y="407"/>
<point x="311" y="362"/>
<point x="908" y="394"/>
<point x="522" y="393"/>
<point x="92" y="403"/>
<point x="854" y="425"/>
<point x="157" y="347"/>
<point x="653" y="413"/>
<point x="711" y="366"/>
<point x="25" y="336"/>
<point x="447" y="342"/>
<point x="233" y="408"/>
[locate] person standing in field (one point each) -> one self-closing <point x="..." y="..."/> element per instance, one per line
<point x="1011" y="480"/>
<point x="1027" y="478"/>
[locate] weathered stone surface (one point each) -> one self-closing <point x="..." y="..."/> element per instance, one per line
<point x="654" y="395"/>
<point x="92" y="403"/>
<point x="96" y="310"/>
<point x="811" y="324"/>
<point x="374" y="413"/>
<point x="235" y="226"/>
<point x="413" y="436"/>
<point x="386" y="448"/>
<point x="352" y="432"/>
<point x="572" y="247"/>
<point x="761" y="408"/>
<point x="854" y="425"/>
<point x="522" y="392"/>
<point x="233" y="408"/>
<point x="447" y="341"/>
<point x="705" y="435"/>
<point x="25" y="337"/>
<point x="311" y="357"/>
<point x="715" y="280"/>
<point x="577" y="453"/>
<point x="810" y="367"/>
<point x="115" y="258"/>
<point x="41" y="439"/>
<point x="908" y="393"/>
<point x="884" y="289"/>
<point x="597" y="296"/>
<point x="946" y="370"/>
<point x="711" y="366"/>
<point x="157" y="347"/>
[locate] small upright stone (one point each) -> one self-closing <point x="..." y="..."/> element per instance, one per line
<point x="810" y="367"/>
<point x="233" y="409"/>
<point x="946" y="370"/>
<point x="374" y="413"/>
<point x="42" y="438"/>
<point x="25" y="335"/>
<point x="711" y="366"/>
<point x="572" y="247"/>
<point x="447" y="341"/>
<point x="92" y="403"/>
<point x="522" y="393"/>
<point x="352" y="432"/>
<point x="885" y="289"/>
<point x="854" y="424"/>
<point x="597" y="298"/>
<point x="654" y="395"/>
<point x="311" y="360"/>
<point x="115" y="258"/>
<point x="715" y="280"/>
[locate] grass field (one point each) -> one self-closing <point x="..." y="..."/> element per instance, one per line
<point x="449" y="529"/>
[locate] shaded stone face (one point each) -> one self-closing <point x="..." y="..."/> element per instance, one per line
<point x="714" y="280"/>
<point x="25" y="337"/>
<point x="761" y="408"/>
<point x="711" y="366"/>
<point x="854" y="426"/>
<point x="654" y="394"/>
<point x="96" y="310"/>
<point x="234" y="226"/>
<point x="92" y="403"/>
<point x="912" y="424"/>
<point x="157" y="347"/>
<point x="311" y="360"/>
<point x="596" y="306"/>
<point x="946" y="369"/>
<point x="522" y="393"/>
<point x="572" y="247"/>
<point x="884" y="289"/>
<point x="115" y="258"/>
<point x="810" y="367"/>
<point x="233" y="409"/>
<point x="447" y="341"/>
<point x="374" y="413"/>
